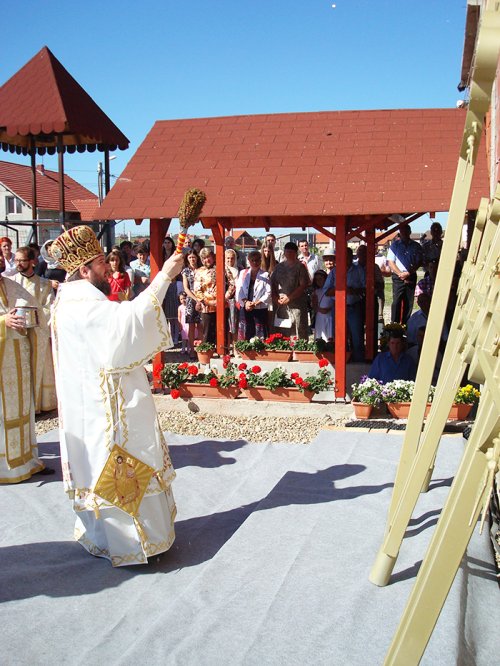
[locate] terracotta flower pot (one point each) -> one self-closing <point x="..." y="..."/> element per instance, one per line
<point x="399" y="410"/>
<point x="280" y="394"/>
<point x="191" y="390"/>
<point x="459" y="412"/>
<point x="362" y="410"/>
<point x="204" y="357"/>
<point x="307" y="356"/>
<point x="267" y="355"/>
<point x="248" y="355"/>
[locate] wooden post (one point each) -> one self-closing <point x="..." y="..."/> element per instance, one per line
<point x="34" y="206"/>
<point x="157" y="231"/>
<point x="218" y="234"/>
<point x="340" y="308"/>
<point x="370" y="348"/>
<point x="60" y="160"/>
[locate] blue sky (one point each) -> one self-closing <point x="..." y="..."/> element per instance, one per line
<point x="153" y="60"/>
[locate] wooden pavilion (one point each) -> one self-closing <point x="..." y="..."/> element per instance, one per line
<point x="44" y="110"/>
<point x="343" y="173"/>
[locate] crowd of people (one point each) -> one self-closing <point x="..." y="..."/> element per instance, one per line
<point x="289" y="290"/>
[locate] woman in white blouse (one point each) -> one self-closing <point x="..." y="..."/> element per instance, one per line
<point x="253" y="295"/>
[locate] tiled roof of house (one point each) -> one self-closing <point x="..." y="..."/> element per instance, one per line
<point x="17" y="179"/>
<point x="296" y="164"/>
<point x="43" y="97"/>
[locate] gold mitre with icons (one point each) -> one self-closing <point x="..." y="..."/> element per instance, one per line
<point x="123" y="480"/>
<point x="75" y="247"/>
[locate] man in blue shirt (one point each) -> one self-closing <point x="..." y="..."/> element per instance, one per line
<point x="393" y="364"/>
<point x="404" y="257"/>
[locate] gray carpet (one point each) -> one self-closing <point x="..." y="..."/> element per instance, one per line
<point x="270" y="565"/>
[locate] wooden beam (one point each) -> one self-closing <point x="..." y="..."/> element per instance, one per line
<point x="370" y="323"/>
<point x="158" y="229"/>
<point x="340" y="309"/>
<point x="218" y="234"/>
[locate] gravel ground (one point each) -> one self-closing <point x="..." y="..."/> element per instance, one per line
<point x="301" y="430"/>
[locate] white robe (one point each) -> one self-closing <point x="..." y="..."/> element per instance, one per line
<point x="18" y="448"/>
<point x="100" y="348"/>
<point x="42" y="292"/>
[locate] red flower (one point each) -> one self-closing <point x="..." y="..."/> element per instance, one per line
<point x="175" y="393"/>
<point x="182" y="366"/>
<point x="323" y="363"/>
<point x="243" y="383"/>
<point x="305" y="385"/>
<point x="256" y="369"/>
<point x="226" y="360"/>
<point x="242" y="366"/>
<point x="193" y="370"/>
<point x="298" y="381"/>
<point x="242" y="375"/>
<point x="294" y="375"/>
<point x="214" y="381"/>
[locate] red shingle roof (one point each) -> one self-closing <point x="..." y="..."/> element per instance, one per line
<point x="42" y="97"/>
<point x="328" y="163"/>
<point x="17" y="179"/>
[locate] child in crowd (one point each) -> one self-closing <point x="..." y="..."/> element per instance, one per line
<point x="323" y="306"/>
<point x="184" y="327"/>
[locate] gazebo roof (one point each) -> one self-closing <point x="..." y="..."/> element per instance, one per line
<point x="43" y="100"/>
<point x="298" y="165"/>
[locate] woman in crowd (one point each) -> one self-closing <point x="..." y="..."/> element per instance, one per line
<point x="118" y="277"/>
<point x="205" y="290"/>
<point x="323" y="306"/>
<point x="171" y="300"/>
<point x="231" y="258"/>
<point x="193" y="318"/>
<point x="253" y="294"/>
<point x="197" y="245"/>
<point x="268" y="258"/>
<point x="8" y="255"/>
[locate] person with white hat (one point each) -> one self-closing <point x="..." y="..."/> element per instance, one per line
<point x="115" y="461"/>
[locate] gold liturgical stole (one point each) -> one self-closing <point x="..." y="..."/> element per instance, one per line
<point x="123" y="480"/>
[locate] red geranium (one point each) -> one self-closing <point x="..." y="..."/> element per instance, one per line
<point x="183" y="366"/>
<point x="226" y="360"/>
<point x="243" y="383"/>
<point x="299" y="381"/>
<point x="305" y="385"/>
<point x="242" y="375"/>
<point x="242" y="366"/>
<point x="323" y="363"/>
<point x="294" y="375"/>
<point x="193" y="370"/>
<point x="214" y="381"/>
<point x="256" y="369"/>
<point x="175" y="393"/>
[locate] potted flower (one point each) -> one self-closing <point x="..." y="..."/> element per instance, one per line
<point x="309" y="350"/>
<point x="186" y="381"/>
<point x="278" y="385"/>
<point x="278" y="347"/>
<point x="398" y="395"/>
<point x="465" y="398"/>
<point x="365" y="395"/>
<point x="205" y="351"/>
<point x="249" y="349"/>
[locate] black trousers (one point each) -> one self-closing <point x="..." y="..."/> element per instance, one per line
<point x="403" y="294"/>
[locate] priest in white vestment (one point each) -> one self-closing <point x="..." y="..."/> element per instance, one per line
<point x="115" y="461"/>
<point x="18" y="448"/>
<point x="42" y="292"/>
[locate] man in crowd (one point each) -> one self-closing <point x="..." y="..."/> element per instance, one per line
<point x="289" y="282"/>
<point x="271" y="240"/>
<point x="393" y="364"/>
<point x="42" y="292"/>
<point x="115" y="461"/>
<point x="419" y="318"/>
<point x="355" y="293"/>
<point x="310" y="261"/>
<point x="18" y="449"/>
<point x="404" y="257"/>
<point x="432" y="246"/>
